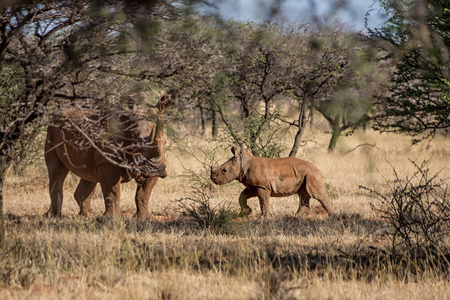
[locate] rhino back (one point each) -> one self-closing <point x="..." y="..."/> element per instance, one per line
<point x="282" y="177"/>
<point x="74" y="152"/>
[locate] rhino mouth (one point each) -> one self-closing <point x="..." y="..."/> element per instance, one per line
<point x="144" y="173"/>
<point x="158" y="173"/>
<point x="216" y="181"/>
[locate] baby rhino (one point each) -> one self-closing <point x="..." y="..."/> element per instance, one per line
<point x="264" y="177"/>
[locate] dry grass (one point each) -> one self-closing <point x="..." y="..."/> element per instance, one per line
<point x="168" y="257"/>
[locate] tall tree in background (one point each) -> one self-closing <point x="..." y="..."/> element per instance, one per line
<point x="322" y="63"/>
<point x="345" y="110"/>
<point x="350" y="100"/>
<point x="194" y="45"/>
<point x="254" y="77"/>
<point x="271" y="65"/>
<point x="417" y="41"/>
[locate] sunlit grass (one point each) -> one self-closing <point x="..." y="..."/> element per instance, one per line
<point x="168" y="257"/>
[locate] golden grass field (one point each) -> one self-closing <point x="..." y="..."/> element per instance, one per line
<point x="168" y="257"/>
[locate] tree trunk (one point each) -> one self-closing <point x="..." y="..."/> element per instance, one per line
<point x="301" y="128"/>
<point x="4" y="164"/>
<point x="202" y="119"/>
<point x="2" y="221"/>
<point x="215" y="126"/>
<point x="297" y="141"/>
<point x="335" y="134"/>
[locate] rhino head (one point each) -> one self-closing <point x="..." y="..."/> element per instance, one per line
<point x="150" y="155"/>
<point x="230" y="170"/>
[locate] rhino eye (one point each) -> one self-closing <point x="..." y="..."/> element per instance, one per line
<point x="224" y="171"/>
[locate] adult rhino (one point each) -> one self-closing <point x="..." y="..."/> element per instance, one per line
<point x="106" y="147"/>
<point x="265" y="177"/>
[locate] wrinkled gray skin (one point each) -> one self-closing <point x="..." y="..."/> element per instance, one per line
<point x="265" y="177"/>
<point x="144" y="142"/>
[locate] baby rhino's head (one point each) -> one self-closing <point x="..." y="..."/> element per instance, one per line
<point x="230" y="170"/>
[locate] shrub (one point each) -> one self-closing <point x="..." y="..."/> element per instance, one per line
<point x="206" y="215"/>
<point x="418" y="210"/>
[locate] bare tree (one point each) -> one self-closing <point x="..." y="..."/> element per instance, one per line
<point x="349" y="102"/>
<point x="248" y="80"/>
<point x="31" y="58"/>
<point x="254" y="78"/>
<point x="324" y="62"/>
<point x="272" y="65"/>
<point x="344" y="110"/>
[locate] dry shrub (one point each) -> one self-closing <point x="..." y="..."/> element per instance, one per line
<point x="206" y="215"/>
<point x="418" y="210"/>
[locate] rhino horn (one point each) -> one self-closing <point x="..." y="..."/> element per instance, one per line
<point x="159" y="127"/>
<point x="164" y="102"/>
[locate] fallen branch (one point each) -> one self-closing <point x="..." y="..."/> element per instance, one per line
<point x="362" y="145"/>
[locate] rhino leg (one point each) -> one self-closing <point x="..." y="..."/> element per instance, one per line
<point x="142" y="197"/>
<point x="245" y="209"/>
<point x="326" y="202"/>
<point x="303" y="207"/>
<point x="315" y="187"/>
<point x="57" y="173"/>
<point x="83" y="195"/>
<point x="110" y="184"/>
<point x="264" y="196"/>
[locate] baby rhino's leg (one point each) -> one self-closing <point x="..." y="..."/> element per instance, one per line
<point x="264" y="196"/>
<point x="315" y="187"/>
<point x="303" y="207"/>
<point x="245" y="209"/>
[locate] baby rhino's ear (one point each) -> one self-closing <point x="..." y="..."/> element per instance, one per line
<point x="236" y="150"/>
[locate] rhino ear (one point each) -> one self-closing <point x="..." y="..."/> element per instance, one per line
<point x="236" y="150"/>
